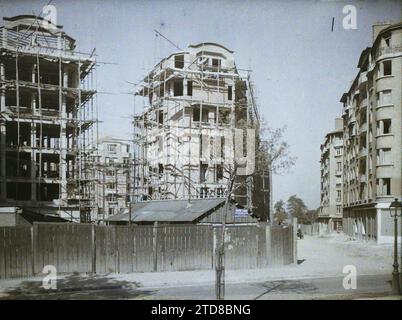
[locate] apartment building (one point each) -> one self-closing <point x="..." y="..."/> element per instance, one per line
<point x="193" y="101"/>
<point x="114" y="164"/>
<point x="331" y="177"/>
<point x="46" y="119"/>
<point x="372" y="132"/>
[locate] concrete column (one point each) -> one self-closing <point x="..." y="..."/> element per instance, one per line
<point x="59" y="42"/>
<point x="2" y="89"/>
<point x="63" y="151"/>
<point x="4" y="36"/>
<point x="2" y="71"/>
<point x="2" y="136"/>
<point x="33" y="103"/>
<point x="65" y="78"/>
<point x="33" y="72"/>
<point x="185" y="87"/>
<point x="3" y="183"/>
<point x="33" y="162"/>
<point x="2" y="100"/>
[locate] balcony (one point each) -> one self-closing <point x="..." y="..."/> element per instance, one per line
<point x="363" y="127"/>
<point x="364" y="103"/>
<point x="363" y="152"/>
<point x="362" y="78"/>
<point x="387" y="51"/>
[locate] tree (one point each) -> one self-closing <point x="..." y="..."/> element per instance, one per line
<point x="297" y="209"/>
<point x="312" y="215"/>
<point x="272" y="152"/>
<point x="275" y="152"/>
<point x="278" y="150"/>
<point x="279" y="206"/>
<point x="280" y="214"/>
<point x="280" y="217"/>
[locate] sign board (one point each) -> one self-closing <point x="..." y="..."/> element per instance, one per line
<point x="241" y="213"/>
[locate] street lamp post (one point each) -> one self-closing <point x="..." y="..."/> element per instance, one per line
<point x="395" y="273"/>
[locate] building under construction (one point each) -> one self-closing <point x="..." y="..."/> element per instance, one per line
<point x="47" y="119"/>
<point x="113" y="162"/>
<point x="193" y="100"/>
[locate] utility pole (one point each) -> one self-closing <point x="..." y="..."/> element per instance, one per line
<point x="220" y="253"/>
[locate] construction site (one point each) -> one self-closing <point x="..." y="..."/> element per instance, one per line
<point x="183" y="137"/>
<point x="191" y="103"/>
<point x="47" y="120"/>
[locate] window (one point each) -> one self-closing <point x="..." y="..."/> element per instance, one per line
<point x="339" y="166"/>
<point x="160" y="167"/>
<point x="160" y="117"/>
<point x="223" y="147"/>
<point x="179" y="61"/>
<point x="384" y="186"/>
<point x="203" y="60"/>
<point x="386" y="182"/>
<point x="189" y="88"/>
<point x="111" y="185"/>
<point x="160" y="143"/>
<point x="230" y="93"/>
<point x="386" y="97"/>
<point x="211" y="148"/>
<point x="178" y="88"/>
<point x="205" y="114"/>
<point x="387" y="126"/>
<point x="224" y="117"/>
<point x="111" y="197"/>
<point x="109" y="160"/>
<point x="338" y="209"/>
<point x="219" y="172"/>
<point x="110" y="173"/>
<point x="387" y="42"/>
<point x="338" y="195"/>
<point x="338" y="151"/>
<point x="216" y="63"/>
<point x="387" y="68"/>
<point x="384" y="156"/>
<point x="384" y="126"/>
<point x="203" y="172"/>
<point x="111" y="148"/>
<point x="196" y="114"/>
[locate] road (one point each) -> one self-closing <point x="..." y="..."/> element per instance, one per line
<point x="319" y="288"/>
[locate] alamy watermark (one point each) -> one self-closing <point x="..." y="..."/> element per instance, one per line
<point x="349" y="21"/>
<point x="50" y="280"/>
<point x="349" y="282"/>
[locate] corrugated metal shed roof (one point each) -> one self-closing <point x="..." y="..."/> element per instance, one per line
<point x="169" y="210"/>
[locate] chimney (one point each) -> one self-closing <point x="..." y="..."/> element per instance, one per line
<point x="377" y="28"/>
<point x="338" y="124"/>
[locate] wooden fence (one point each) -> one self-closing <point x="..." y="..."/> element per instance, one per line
<point x="24" y="251"/>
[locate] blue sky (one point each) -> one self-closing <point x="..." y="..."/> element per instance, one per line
<point x="300" y="68"/>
